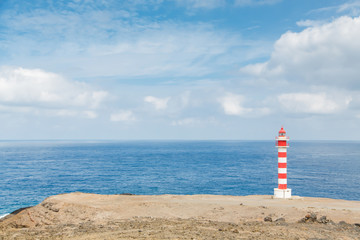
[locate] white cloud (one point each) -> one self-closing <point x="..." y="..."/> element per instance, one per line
<point x="90" y="114"/>
<point x="242" y="3"/>
<point x="158" y="103"/>
<point x="191" y="121"/>
<point x="20" y="87"/>
<point x="309" y="23"/>
<point x="185" y="98"/>
<point x="123" y="116"/>
<point x="104" y="43"/>
<point x="352" y="8"/>
<point x="17" y="109"/>
<point x="208" y="4"/>
<point x="327" y="54"/>
<point x="163" y="51"/>
<point x="185" y="121"/>
<point x="317" y="103"/>
<point x="262" y="69"/>
<point x="349" y="8"/>
<point x="73" y="113"/>
<point x="233" y="105"/>
<point x="66" y="113"/>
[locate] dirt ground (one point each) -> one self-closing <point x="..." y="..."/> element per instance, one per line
<point x="92" y="216"/>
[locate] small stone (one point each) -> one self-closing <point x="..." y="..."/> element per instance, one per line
<point x="344" y="224"/>
<point x="323" y="220"/>
<point x="268" y="219"/>
<point x="280" y="220"/>
<point x="310" y="217"/>
<point x="220" y="230"/>
<point x="357" y="224"/>
<point x="235" y="231"/>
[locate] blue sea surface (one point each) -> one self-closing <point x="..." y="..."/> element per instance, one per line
<point x="30" y="171"/>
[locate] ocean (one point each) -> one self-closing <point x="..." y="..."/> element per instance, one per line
<point x="30" y="171"/>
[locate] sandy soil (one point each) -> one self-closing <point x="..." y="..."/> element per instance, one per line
<point x="92" y="216"/>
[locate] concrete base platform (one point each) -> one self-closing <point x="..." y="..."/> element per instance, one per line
<point x="282" y="193"/>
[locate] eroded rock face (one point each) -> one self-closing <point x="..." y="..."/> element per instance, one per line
<point x="50" y="206"/>
<point x="49" y="212"/>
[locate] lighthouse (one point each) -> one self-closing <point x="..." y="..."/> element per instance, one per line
<point x="282" y="144"/>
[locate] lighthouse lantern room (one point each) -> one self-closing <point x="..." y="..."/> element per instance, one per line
<point x="282" y="144"/>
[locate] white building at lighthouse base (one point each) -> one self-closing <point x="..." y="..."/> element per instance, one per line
<point x="282" y="193"/>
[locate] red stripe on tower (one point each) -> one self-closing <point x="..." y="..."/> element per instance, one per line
<point x="282" y="165"/>
<point x="282" y="175"/>
<point x="282" y="144"/>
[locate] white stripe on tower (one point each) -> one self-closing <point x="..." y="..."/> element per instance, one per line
<point x="282" y="182"/>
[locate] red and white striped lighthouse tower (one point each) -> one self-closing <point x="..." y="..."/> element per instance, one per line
<point x="282" y="144"/>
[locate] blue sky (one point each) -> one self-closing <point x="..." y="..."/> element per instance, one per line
<point x="172" y="69"/>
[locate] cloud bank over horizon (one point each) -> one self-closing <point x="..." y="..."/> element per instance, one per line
<point x="79" y="70"/>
